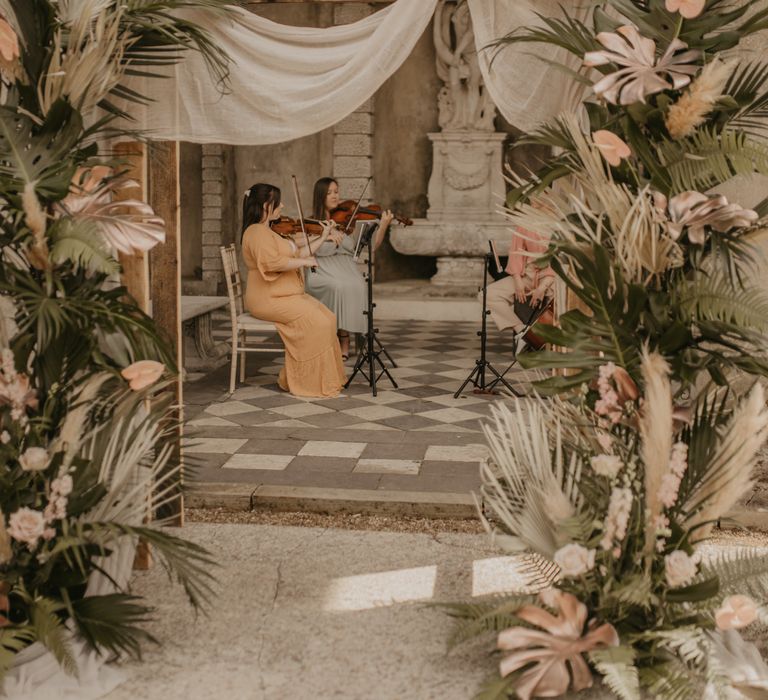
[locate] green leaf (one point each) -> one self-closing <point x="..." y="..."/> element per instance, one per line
<point x="696" y="592"/>
<point x="50" y="631"/>
<point x="110" y="623"/>
<point x="39" y="154"/>
<point x="83" y="245"/>
<point x="617" y="666"/>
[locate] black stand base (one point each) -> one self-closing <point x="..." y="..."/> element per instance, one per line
<point x="368" y="361"/>
<point x="477" y="375"/>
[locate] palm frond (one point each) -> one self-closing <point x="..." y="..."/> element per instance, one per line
<point x="714" y="297"/>
<point x="747" y="88"/>
<point x="567" y="33"/>
<point x="729" y="469"/>
<point x="708" y="158"/>
<point x="529" y="482"/>
<point x="617" y="667"/>
<point x="110" y="623"/>
<point x="13" y="639"/>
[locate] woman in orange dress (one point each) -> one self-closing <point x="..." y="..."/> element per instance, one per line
<point x="275" y="292"/>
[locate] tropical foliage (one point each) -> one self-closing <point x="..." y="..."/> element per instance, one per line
<point x="610" y="488"/>
<point x="85" y="413"/>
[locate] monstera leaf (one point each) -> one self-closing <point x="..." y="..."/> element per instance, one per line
<point x="42" y="154"/>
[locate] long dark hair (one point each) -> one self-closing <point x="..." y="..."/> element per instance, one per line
<point x="257" y="199"/>
<point x="318" y="197"/>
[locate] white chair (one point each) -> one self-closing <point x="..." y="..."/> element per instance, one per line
<point x="243" y="323"/>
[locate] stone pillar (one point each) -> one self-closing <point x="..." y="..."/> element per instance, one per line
<point x="213" y="177"/>
<point x="353" y="135"/>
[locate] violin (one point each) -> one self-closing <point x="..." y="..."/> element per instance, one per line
<point x="348" y="213"/>
<point x="286" y="226"/>
<point x="547" y="317"/>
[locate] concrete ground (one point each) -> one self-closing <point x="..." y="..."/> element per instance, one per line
<point x="316" y="613"/>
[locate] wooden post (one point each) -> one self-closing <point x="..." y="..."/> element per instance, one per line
<point x="165" y="276"/>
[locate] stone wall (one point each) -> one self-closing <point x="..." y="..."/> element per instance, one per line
<point x="386" y="137"/>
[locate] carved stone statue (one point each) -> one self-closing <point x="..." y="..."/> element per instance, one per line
<point x="463" y="102"/>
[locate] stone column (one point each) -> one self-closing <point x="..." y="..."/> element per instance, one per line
<point x="213" y="176"/>
<point x="353" y="135"/>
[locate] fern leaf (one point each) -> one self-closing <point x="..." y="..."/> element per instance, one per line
<point x="617" y="666"/>
<point x="671" y="681"/>
<point x="635" y="591"/>
<point x="744" y="570"/>
<point x="50" y="632"/>
<point x="480" y="618"/>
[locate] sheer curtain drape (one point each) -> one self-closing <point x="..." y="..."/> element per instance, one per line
<point x="286" y="82"/>
<point x="526" y="89"/>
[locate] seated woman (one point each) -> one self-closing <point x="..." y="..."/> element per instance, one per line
<point x="527" y="282"/>
<point x="338" y="283"/>
<point x="275" y="292"/>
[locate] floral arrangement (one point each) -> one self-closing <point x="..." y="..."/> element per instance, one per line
<point x="611" y="487"/>
<point x="85" y="419"/>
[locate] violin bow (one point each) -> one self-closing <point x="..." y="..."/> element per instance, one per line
<point x="295" y="183"/>
<point x="357" y="206"/>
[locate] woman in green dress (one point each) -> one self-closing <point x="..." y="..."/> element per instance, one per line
<point x="338" y="282"/>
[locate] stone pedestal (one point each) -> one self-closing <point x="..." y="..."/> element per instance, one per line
<point x="466" y="182"/>
<point x="465" y="192"/>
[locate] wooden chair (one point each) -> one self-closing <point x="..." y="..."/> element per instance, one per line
<point x="243" y="323"/>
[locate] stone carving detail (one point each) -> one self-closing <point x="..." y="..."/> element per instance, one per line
<point x="463" y="102"/>
<point x="465" y="181"/>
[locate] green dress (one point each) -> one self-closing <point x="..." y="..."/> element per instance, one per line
<point x="339" y="284"/>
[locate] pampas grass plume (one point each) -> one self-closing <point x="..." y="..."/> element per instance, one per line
<point x="691" y="109"/>
<point x="656" y="434"/>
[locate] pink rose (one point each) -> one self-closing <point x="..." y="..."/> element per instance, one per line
<point x="9" y="42"/>
<point x="34" y="459"/>
<point x="612" y="148"/>
<point x="142" y="374"/>
<point x="26" y="525"/>
<point x="62" y="485"/>
<point x="737" y="611"/>
<point x="687" y="8"/>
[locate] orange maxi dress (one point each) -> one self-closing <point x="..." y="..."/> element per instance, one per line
<point x="313" y="364"/>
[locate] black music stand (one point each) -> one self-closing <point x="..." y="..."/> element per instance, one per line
<point x="372" y="347"/>
<point x="477" y="375"/>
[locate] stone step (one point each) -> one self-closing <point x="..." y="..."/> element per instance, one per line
<point x="418" y="300"/>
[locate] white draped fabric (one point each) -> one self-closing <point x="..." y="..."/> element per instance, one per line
<point x="526" y="89"/>
<point x="286" y="82"/>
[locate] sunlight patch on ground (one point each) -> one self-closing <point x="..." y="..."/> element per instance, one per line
<point x="381" y="589"/>
<point x="497" y="575"/>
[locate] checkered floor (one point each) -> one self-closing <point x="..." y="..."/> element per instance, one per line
<point x="413" y="438"/>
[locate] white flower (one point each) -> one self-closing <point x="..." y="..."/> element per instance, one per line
<point x="606" y="465"/>
<point x="62" y="485"/>
<point x="575" y="560"/>
<point x="615" y="527"/>
<point x="680" y="568"/>
<point x="34" y="459"/>
<point x="5" y="437"/>
<point x="26" y="525"/>
<point x="737" y="611"/>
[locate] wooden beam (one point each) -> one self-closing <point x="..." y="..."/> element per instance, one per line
<point x="165" y="278"/>
<point x="135" y="268"/>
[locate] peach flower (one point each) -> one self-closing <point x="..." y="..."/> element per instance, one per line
<point x="612" y="148"/>
<point x="142" y="374"/>
<point x="9" y="42"/>
<point x="737" y="611"/>
<point x="687" y="8"/>
<point x="26" y="525"/>
<point x="574" y="559"/>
